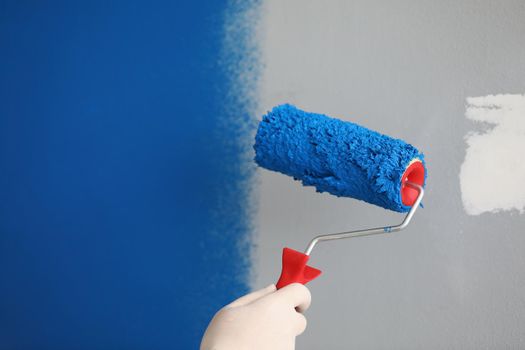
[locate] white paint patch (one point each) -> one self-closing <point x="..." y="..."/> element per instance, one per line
<point x="492" y="177"/>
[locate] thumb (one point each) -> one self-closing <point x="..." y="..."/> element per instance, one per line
<point x="248" y="298"/>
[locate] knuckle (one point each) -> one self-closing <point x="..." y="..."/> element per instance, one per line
<point x="301" y="289"/>
<point x="226" y="314"/>
<point x="307" y="293"/>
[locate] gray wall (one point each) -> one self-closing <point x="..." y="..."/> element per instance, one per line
<point x="405" y="69"/>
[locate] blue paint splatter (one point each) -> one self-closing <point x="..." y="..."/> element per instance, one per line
<point x="113" y="162"/>
<point x="338" y="157"/>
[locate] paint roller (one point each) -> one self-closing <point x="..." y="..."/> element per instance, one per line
<point x="344" y="159"/>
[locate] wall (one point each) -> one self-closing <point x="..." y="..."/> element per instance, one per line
<point x="126" y="176"/>
<point x="121" y="203"/>
<point x="455" y="278"/>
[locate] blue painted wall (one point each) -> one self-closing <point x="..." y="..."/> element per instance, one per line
<point x="111" y="168"/>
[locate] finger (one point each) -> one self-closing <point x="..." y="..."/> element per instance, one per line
<point x="299" y="323"/>
<point x="297" y="294"/>
<point x="248" y="298"/>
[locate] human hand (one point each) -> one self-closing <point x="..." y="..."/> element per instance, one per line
<point x="262" y="320"/>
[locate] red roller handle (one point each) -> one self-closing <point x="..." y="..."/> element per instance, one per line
<point x="295" y="269"/>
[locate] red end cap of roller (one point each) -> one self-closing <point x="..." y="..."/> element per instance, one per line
<point x="415" y="173"/>
<point x="295" y="269"/>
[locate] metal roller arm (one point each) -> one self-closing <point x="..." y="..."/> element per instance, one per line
<point x="372" y="231"/>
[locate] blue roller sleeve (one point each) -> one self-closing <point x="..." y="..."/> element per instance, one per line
<point x="335" y="156"/>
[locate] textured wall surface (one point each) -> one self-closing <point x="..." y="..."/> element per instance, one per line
<point x="126" y="162"/>
<point x="405" y="69"/>
<point x="121" y="202"/>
